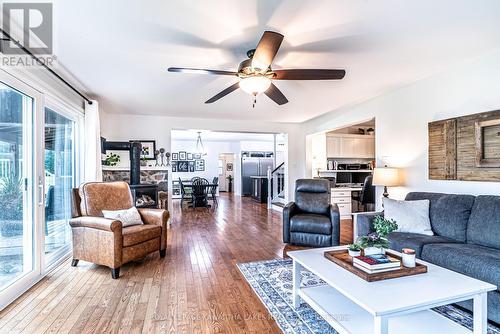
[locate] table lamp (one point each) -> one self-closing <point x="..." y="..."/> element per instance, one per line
<point x="387" y="177"/>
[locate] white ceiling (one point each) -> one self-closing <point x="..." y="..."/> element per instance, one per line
<point x="220" y="136"/>
<point x="120" y="50"/>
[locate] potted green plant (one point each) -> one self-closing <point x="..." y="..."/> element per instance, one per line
<point x="112" y="159"/>
<point x="376" y="242"/>
<point x="11" y="199"/>
<point x="354" y="249"/>
<point x="229" y="183"/>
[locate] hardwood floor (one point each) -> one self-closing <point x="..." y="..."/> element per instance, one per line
<point x="196" y="288"/>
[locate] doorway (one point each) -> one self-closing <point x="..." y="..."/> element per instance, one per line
<point x="226" y="172"/>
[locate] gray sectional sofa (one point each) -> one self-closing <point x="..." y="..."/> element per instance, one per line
<point x="466" y="238"/>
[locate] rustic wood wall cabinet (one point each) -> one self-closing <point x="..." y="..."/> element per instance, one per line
<point x="465" y="148"/>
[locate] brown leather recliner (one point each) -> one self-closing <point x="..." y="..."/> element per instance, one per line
<point x="104" y="241"/>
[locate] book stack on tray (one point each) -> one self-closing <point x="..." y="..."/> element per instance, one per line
<point x="373" y="264"/>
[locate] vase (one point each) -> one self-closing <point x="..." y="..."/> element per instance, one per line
<point x="354" y="253"/>
<point x="373" y="251"/>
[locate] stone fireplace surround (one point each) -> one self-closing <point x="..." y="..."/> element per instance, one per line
<point x="151" y="175"/>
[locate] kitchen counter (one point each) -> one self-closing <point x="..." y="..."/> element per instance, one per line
<point x="259" y="188"/>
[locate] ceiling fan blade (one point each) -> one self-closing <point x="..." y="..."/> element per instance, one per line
<point x="200" y="71"/>
<point x="276" y="95"/>
<point x="226" y="91"/>
<point x="266" y="50"/>
<point x="308" y="74"/>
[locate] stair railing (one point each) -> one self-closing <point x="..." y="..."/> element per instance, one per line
<point x="275" y="184"/>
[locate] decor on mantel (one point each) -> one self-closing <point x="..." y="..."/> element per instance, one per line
<point x="160" y="154"/>
<point x="111" y="160"/>
<point x="148" y="149"/>
<point x="465" y="148"/>
<point x="167" y="155"/>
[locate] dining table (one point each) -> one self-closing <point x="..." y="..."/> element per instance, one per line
<point x="199" y="201"/>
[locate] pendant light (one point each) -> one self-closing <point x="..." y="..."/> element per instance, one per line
<point x="199" y="145"/>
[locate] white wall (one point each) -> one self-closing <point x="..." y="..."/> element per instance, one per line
<point x="402" y="117"/>
<point x="126" y="127"/>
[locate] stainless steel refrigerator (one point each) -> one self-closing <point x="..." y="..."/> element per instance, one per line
<point x="253" y="167"/>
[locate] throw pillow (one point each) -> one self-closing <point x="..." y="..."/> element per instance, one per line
<point x="411" y="216"/>
<point x="128" y="217"/>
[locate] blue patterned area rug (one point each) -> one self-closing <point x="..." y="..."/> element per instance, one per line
<point x="272" y="281"/>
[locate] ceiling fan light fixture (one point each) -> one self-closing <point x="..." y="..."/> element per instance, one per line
<point x="255" y="84"/>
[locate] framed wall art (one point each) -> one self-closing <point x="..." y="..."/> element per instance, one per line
<point x="175" y="156"/>
<point x="189" y="156"/>
<point x="182" y="166"/>
<point x="148" y="149"/>
<point x="196" y="156"/>
<point x="199" y="165"/>
<point x="182" y="155"/>
<point x="465" y="148"/>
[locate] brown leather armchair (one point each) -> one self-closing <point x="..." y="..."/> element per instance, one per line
<point x="104" y="241"/>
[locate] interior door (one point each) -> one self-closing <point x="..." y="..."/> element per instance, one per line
<point x="222" y="173"/>
<point x="21" y="186"/>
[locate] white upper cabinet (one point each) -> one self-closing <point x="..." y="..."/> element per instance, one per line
<point x="350" y="146"/>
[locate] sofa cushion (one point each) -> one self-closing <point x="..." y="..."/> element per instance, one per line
<point x="484" y="222"/>
<point x="400" y="240"/>
<point x="136" y="234"/>
<point x="411" y="216"/>
<point x="449" y="214"/>
<point x="311" y="223"/>
<point x="472" y="260"/>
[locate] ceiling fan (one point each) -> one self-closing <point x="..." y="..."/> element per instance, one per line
<point x="256" y="75"/>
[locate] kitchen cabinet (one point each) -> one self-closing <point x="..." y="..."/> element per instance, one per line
<point x="350" y="146"/>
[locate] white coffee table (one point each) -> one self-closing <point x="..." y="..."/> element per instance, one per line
<point x="396" y="306"/>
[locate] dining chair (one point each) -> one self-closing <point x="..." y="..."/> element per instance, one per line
<point x="186" y="193"/>
<point x="213" y="189"/>
<point x="200" y="192"/>
<point x="195" y="178"/>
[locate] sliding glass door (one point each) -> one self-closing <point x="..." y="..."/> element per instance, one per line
<point x="38" y="168"/>
<point x="59" y="168"/>
<point x="17" y="227"/>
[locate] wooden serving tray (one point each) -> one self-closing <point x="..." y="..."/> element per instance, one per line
<point x="342" y="258"/>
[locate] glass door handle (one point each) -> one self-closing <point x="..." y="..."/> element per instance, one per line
<point x="40" y="192"/>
